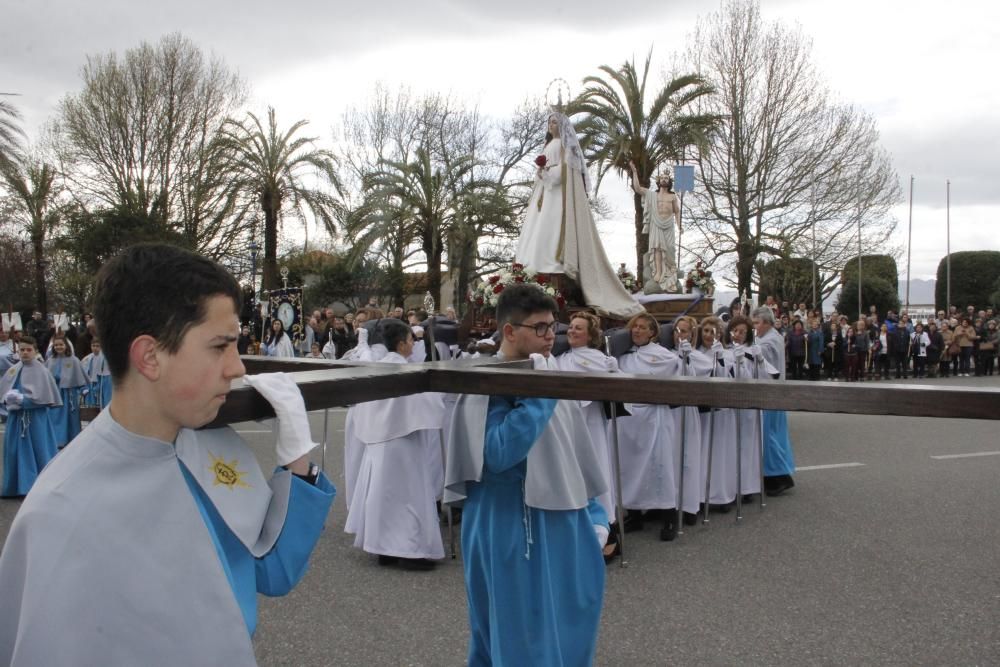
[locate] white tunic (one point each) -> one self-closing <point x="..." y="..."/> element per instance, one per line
<point x="399" y="476"/>
<point x="646" y="438"/>
<point x="589" y="360"/>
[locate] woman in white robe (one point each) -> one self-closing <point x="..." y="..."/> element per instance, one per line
<point x="742" y="360"/>
<point x="392" y="512"/>
<point x="718" y="432"/>
<point x="646" y="437"/>
<point x="694" y="364"/>
<point x="278" y="344"/>
<point x="584" y="356"/>
<point x="559" y="234"/>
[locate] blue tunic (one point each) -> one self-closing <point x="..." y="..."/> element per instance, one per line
<point x="99" y="390"/>
<point x="66" y="417"/>
<point x="534" y="578"/>
<point x="29" y="443"/>
<point x="281" y="569"/>
<point x="778" y="457"/>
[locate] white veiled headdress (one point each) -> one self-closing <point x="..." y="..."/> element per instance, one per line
<point x="571" y="147"/>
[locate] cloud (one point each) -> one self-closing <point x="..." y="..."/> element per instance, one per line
<point x="964" y="151"/>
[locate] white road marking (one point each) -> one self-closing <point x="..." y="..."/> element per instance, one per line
<point x="829" y="466"/>
<point x="964" y="456"/>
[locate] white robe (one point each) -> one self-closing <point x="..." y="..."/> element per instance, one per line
<point x="559" y="236"/>
<point x="589" y="360"/>
<point x="646" y="438"/>
<point x="724" y="447"/>
<point x="399" y="476"/>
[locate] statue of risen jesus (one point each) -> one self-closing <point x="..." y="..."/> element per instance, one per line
<point x="661" y="210"/>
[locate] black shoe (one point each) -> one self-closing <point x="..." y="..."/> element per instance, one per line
<point x="417" y="564"/>
<point x="385" y="561"/>
<point x="614" y="543"/>
<point x="777" y="485"/>
<point x="690" y="519"/>
<point x="669" y="530"/>
<point x="721" y="509"/>
<point x="634" y="521"/>
<point x="749" y="497"/>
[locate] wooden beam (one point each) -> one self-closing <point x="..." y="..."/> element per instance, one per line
<point x="863" y="398"/>
<point x="336" y="384"/>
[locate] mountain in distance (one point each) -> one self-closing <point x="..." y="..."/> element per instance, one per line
<point x="921" y="291"/>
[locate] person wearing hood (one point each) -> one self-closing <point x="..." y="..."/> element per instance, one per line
<point x="68" y="373"/>
<point x="527" y="474"/>
<point x="27" y="390"/>
<point x="399" y="478"/>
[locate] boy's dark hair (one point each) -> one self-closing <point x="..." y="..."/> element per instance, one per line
<point x="29" y="340"/>
<point x="519" y="302"/>
<point x="394" y="332"/>
<point x="157" y="290"/>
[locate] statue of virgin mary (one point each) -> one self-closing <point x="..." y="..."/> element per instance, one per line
<point x="559" y="234"/>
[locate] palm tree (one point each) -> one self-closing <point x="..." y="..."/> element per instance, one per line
<point x="424" y="197"/>
<point x="622" y="125"/>
<point x="269" y="167"/>
<point x="11" y="133"/>
<point x="32" y="186"/>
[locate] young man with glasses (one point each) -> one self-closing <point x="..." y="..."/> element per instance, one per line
<point x="532" y="529"/>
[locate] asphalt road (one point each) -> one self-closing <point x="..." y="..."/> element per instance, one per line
<point x="891" y="561"/>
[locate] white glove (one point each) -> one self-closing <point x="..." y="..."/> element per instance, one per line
<point x="13" y="399"/>
<point x="757" y="353"/>
<point x="541" y="363"/>
<point x="602" y="534"/>
<point x="294" y="439"/>
<point x="716" y="348"/>
<point x="738" y="351"/>
<point x="684" y="347"/>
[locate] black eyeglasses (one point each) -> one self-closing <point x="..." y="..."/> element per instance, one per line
<point x="541" y="329"/>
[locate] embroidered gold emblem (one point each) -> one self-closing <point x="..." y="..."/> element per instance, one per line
<point x="227" y="474"/>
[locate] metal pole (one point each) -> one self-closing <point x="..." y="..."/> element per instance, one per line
<point x="759" y="433"/>
<point x="947" y="293"/>
<point x="711" y="443"/>
<point x="739" y="448"/>
<point x="860" y="311"/>
<point x="326" y="430"/>
<point x="909" y="243"/>
<point x="813" y="214"/>
<point x="619" y="505"/>
<point x="680" y="485"/>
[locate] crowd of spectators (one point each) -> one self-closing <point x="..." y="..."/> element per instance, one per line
<point x="893" y="346"/>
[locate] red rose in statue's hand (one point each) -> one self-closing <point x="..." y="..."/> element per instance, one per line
<point x="498" y="289"/>
<point x="561" y="302"/>
<point x="494" y="280"/>
<point x="540" y="160"/>
<point x="480" y="301"/>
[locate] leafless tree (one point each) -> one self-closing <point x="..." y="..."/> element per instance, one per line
<point x="789" y="160"/>
<point x="428" y="177"/>
<point x="137" y="137"/>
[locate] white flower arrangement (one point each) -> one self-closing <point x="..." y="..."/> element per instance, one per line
<point x="487" y="293"/>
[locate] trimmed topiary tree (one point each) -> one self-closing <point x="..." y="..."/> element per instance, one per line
<point x="974" y="274"/>
<point x="788" y="280"/>
<point x="875" y="290"/>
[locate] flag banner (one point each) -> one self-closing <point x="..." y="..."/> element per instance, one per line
<point x="683" y="177"/>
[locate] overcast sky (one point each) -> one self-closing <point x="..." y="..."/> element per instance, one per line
<point x="920" y="68"/>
